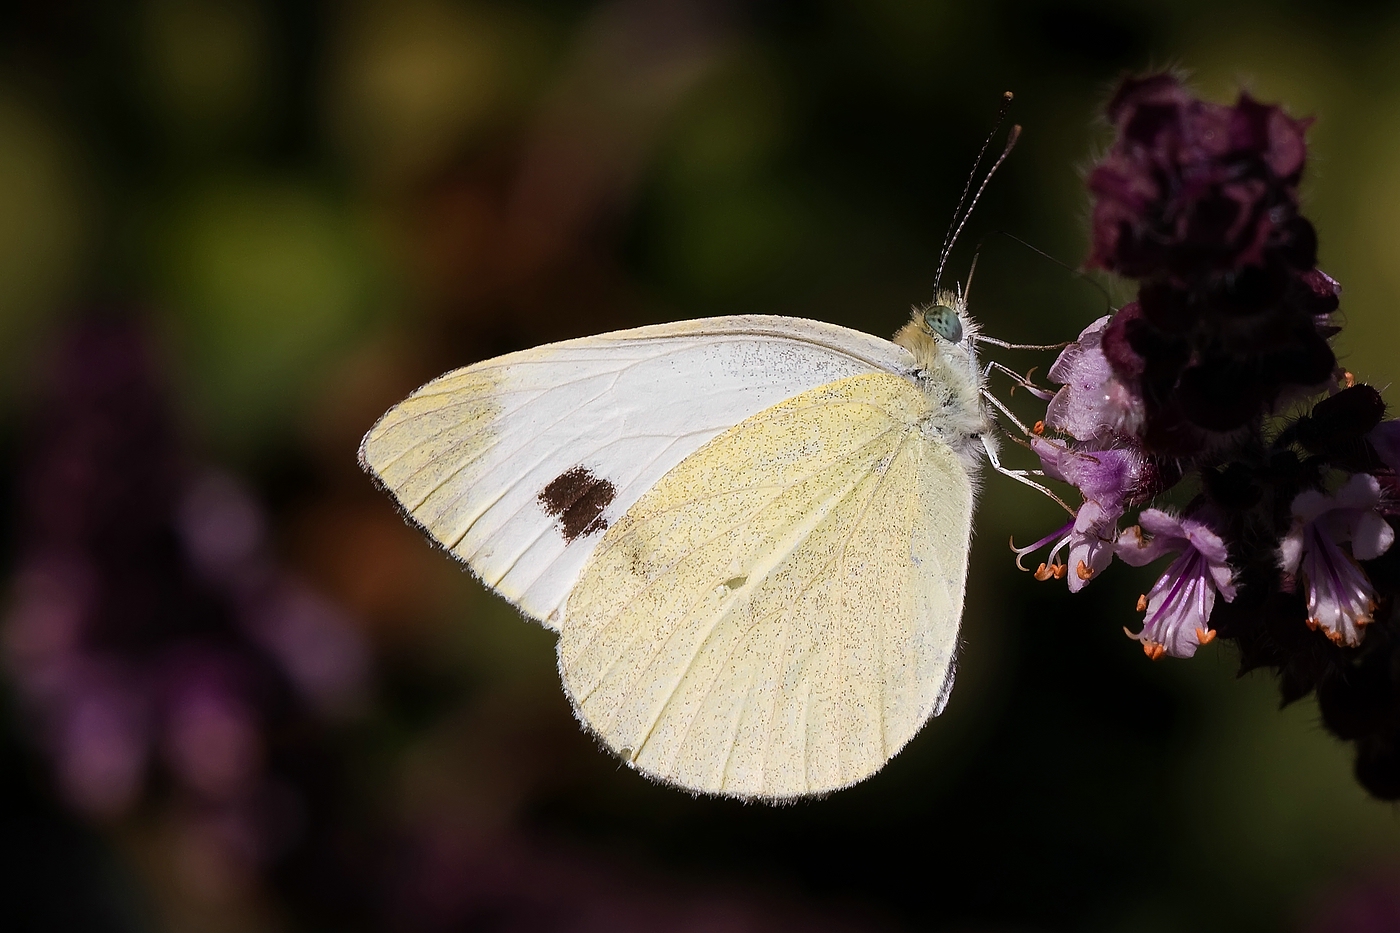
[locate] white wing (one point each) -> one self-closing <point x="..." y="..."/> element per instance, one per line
<point x="518" y="464"/>
<point x="778" y="615"/>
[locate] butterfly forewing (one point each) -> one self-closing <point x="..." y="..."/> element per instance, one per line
<point x="778" y="614"/>
<point x="519" y="464"/>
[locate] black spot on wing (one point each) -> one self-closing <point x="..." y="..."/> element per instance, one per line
<point x="577" y="498"/>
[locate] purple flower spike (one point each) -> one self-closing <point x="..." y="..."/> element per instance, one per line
<point x="1199" y="202"/>
<point x="1093" y="400"/>
<point x="1179" y="605"/>
<point x="1341" y="598"/>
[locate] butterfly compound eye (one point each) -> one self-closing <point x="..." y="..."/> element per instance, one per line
<point x="944" y="322"/>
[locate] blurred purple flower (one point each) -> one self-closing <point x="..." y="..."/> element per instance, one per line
<point x="1179" y="605"/>
<point x="1340" y="596"/>
<point x="315" y="642"/>
<point x="222" y="528"/>
<point x="50" y="604"/>
<point x="99" y="742"/>
<point x="147" y="614"/>
<point x="212" y="738"/>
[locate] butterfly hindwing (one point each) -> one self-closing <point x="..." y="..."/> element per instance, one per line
<point x="778" y="614"/>
<point x="517" y="465"/>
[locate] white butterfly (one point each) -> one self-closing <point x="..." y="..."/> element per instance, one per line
<point x="751" y="533"/>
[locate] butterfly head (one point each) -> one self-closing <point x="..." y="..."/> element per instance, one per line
<point x="942" y="334"/>
<point x="944" y="317"/>
<point x="943" y="321"/>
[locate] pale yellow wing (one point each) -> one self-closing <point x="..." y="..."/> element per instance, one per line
<point x="778" y="615"/>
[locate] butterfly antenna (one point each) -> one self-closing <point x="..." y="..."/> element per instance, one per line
<point x="971" y="271"/>
<point x="1011" y="138"/>
<point x="1107" y="299"/>
<point x="950" y="237"/>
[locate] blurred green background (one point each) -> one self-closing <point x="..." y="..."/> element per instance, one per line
<point x="311" y="208"/>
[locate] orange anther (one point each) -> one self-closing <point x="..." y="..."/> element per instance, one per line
<point x="1348" y="378"/>
<point x="1084" y="571"/>
<point x="1336" y="637"/>
<point x="1313" y="624"/>
<point x="1142" y="603"/>
<point x="1038" y="428"/>
<point x="1060" y="570"/>
<point x="1205" y="636"/>
<point x="1044" y="572"/>
<point x="1153" y="651"/>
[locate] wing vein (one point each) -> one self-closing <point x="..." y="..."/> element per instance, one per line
<point x="488" y="448"/>
<point x="709" y="691"/>
<point x="738" y="719"/>
<point x="474" y="400"/>
<point x="732" y="525"/>
<point x="840" y="558"/>
<point x="773" y="708"/>
<point x="481" y="512"/>
<point x="816" y="517"/>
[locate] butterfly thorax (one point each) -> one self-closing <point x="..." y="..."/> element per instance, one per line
<point x="948" y="372"/>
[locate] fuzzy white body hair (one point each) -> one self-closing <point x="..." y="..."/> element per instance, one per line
<point x="952" y="377"/>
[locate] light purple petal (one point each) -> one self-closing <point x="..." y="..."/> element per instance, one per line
<point x="1372" y="536"/>
<point x="1068" y="366"/>
<point x="1091" y="544"/>
<point x="1161" y="524"/>
<point x="1205" y="540"/>
<point x="1178" y="609"/>
<point x="1138" y="551"/>
<point x="1107" y="476"/>
<point x="1290" y="550"/>
<point x="1340" y="596"/>
<point x="1361" y="491"/>
<point x="1310" y="503"/>
<point x="1093" y="401"/>
<point x="1224" y="579"/>
<point x="1105" y="471"/>
<point x="1050" y="451"/>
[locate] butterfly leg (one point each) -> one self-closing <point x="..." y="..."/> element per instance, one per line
<point x="1007" y="412"/>
<point x="980" y="338"/>
<point x="1023" y="381"/>
<point x="1021" y="476"/>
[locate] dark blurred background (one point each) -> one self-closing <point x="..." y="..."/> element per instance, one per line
<point x="239" y="694"/>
